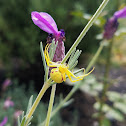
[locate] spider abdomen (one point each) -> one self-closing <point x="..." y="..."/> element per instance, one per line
<point x="57" y="76"/>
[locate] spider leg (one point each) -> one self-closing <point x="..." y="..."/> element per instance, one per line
<point x="46" y="54"/>
<point x="88" y="72"/>
<point x="74" y="80"/>
<point x="49" y="63"/>
<point x="69" y="74"/>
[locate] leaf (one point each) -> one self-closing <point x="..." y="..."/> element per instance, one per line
<point x="68" y="102"/>
<point x="121" y="106"/>
<point x="105" y="108"/>
<point x="19" y="121"/>
<point x="113" y="96"/>
<point x="73" y="58"/>
<point x="91" y="86"/>
<point x="23" y="121"/>
<point x="106" y="122"/>
<point x="77" y="14"/>
<point x="115" y="114"/>
<point x="95" y="115"/>
<point x="29" y="104"/>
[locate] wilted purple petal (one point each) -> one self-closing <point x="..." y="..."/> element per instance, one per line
<point x="60" y="52"/>
<point x="121" y="13"/>
<point x="3" y="123"/>
<point x="45" y="22"/>
<point x="110" y="28"/>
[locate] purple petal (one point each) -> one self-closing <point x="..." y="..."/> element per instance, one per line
<point x="17" y="113"/>
<point x="4" y="121"/>
<point x="6" y="83"/>
<point x="8" y="103"/>
<point x="121" y="13"/>
<point x="110" y="27"/>
<point x="45" y="22"/>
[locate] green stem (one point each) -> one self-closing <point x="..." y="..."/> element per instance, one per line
<point x="105" y="84"/>
<point x="95" y="57"/>
<point x="35" y="104"/>
<point x="64" y="101"/>
<point x="84" y="31"/>
<point x="50" y="105"/>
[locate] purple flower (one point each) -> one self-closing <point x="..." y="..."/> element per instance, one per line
<point x="112" y="23"/>
<point x="17" y="113"/>
<point x="110" y="27"/>
<point x="8" y="103"/>
<point x="3" y="123"/>
<point x="121" y="13"/>
<point x="6" y="83"/>
<point x="45" y="22"/>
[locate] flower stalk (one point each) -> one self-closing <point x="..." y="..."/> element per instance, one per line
<point x="35" y="104"/>
<point x="92" y="62"/>
<point x="50" y="105"/>
<point x="106" y="84"/>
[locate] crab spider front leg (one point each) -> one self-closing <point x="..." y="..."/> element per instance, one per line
<point x="73" y="80"/>
<point x="69" y="74"/>
<point x="49" y="63"/>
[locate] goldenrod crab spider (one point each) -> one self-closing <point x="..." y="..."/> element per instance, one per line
<point x="59" y="73"/>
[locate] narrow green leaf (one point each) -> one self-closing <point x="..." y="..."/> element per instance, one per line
<point x="72" y="55"/>
<point x="23" y="121"/>
<point x="22" y="115"/>
<point x="115" y="114"/>
<point x="74" y="65"/>
<point x="19" y="121"/>
<point x="42" y="55"/>
<point x="114" y="96"/>
<point x="29" y="104"/>
<point x="68" y="103"/>
<point x="29" y="124"/>
<point x="121" y="106"/>
<point x="74" y="58"/>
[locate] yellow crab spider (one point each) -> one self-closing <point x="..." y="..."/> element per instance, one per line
<point x="58" y="74"/>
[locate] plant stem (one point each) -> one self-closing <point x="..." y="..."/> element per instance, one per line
<point x="84" y="31"/>
<point x="64" y="101"/>
<point x="36" y="102"/>
<point x="106" y="83"/>
<point x="50" y="105"/>
<point x="95" y="57"/>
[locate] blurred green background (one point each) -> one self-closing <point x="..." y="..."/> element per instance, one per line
<point x="20" y="56"/>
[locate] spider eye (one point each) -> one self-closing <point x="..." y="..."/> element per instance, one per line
<point x="56" y="75"/>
